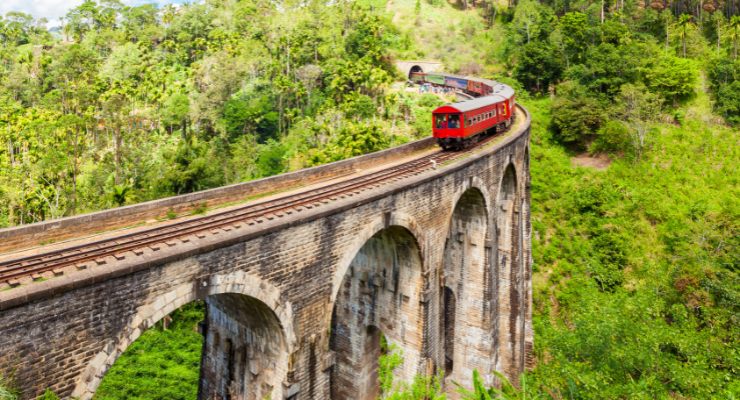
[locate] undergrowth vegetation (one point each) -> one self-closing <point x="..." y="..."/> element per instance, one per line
<point x="636" y="288"/>
<point x="160" y="364"/>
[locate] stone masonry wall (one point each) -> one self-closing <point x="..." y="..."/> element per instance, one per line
<point x="467" y="273"/>
<point x="66" y="332"/>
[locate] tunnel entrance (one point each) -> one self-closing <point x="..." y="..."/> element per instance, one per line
<point x="415" y="69"/>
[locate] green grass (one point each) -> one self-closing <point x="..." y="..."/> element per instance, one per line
<point x="635" y="268"/>
<point x="160" y="364"/>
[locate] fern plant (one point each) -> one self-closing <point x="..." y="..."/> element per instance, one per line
<point x="508" y="392"/>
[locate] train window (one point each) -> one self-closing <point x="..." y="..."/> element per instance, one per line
<point x="454" y="121"/>
<point x="440" y="121"/>
<point x="470" y="121"/>
<point x="493" y="112"/>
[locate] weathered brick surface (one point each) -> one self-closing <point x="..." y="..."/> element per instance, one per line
<point x="272" y="288"/>
<point x="381" y="292"/>
<point x="469" y="284"/>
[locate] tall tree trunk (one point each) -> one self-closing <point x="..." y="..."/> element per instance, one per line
<point x="74" y="173"/>
<point x="118" y="156"/>
<point x="719" y="34"/>
<point x="666" y="36"/>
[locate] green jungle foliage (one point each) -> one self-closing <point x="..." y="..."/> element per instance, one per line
<point x="160" y="364"/>
<point x="636" y="285"/>
<point x="130" y="104"/>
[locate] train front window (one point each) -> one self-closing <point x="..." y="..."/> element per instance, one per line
<point x="454" y="121"/>
<point x="440" y="121"/>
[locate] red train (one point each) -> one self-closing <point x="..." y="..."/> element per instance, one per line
<point x="460" y="124"/>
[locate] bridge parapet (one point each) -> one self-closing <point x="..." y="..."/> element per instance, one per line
<point x="22" y="237"/>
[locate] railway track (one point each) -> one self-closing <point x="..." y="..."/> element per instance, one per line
<point x="81" y="256"/>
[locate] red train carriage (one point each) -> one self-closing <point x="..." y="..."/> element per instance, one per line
<point x="460" y="124"/>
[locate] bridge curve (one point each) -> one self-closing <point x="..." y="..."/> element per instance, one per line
<point x="65" y="333"/>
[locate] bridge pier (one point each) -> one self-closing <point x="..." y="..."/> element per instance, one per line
<point x="468" y="294"/>
<point x="243" y="354"/>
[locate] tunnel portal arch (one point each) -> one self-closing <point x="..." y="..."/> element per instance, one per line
<point x="415" y="69"/>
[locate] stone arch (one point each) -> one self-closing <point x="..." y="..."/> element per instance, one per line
<point x="526" y="175"/>
<point x="374" y="226"/>
<point x="162" y="305"/>
<point x="382" y="287"/>
<point x="510" y="274"/>
<point x="508" y="187"/>
<point x="467" y="274"/>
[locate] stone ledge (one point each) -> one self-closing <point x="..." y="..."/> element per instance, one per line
<point x="87" y="224"/>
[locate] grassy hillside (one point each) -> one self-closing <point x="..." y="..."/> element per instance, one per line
<point x="635" y="286"/>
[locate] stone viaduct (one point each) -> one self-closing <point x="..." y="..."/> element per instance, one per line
<point x="440" y="263"/>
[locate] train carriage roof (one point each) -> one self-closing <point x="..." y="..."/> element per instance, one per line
<point x="470" y="105"/>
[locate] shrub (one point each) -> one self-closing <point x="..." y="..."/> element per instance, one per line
<point x="612" y="137"/>
<point x="576" y="116"/>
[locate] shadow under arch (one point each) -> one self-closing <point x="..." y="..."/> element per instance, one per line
<point x="510" y="275"/>
<point x="244" y="351"/>
<point x="526" y="358"/>
<point x="467" y="301"/>
<point x="230" y="298"/>
<point x="381" y="288"/>
<point x="395" y="218"/>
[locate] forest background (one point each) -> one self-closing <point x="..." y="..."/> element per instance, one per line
<point x="636" y="291"/>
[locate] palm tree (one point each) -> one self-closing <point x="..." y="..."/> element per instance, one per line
<point x="735" y="26"/>
<point x="684" y="22"/>
<point x="66" y="29"/>
<point x="168" y="16"/>
<point x="406" y="103"/>
<point x="122" y="194"/>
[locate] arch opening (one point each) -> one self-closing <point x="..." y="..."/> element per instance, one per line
<point x="244" y="348"/>
<point x="379" y="293"/>
<point x="164" y="361"/>
<point x="415" y="69"/>
<point x="229" y="346"/>
<point x="467" y="319"/>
